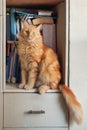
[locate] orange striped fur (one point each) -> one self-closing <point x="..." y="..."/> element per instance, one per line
<point x="40" y="67"/>
<point x="72" y="103"/>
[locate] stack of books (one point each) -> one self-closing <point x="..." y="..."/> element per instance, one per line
<point x="13" y="74"/>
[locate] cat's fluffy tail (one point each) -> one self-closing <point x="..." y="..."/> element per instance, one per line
<point x="74" y="106"/>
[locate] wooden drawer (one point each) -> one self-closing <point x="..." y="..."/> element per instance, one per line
<point x="0" y="7"/>
<point x="18" y="105"/>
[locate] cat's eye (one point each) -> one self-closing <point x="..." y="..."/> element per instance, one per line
<point x="33" y="33"/>
<point x="27" y="31"/>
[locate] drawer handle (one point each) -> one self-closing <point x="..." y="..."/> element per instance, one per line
<point x="36" y="112"/>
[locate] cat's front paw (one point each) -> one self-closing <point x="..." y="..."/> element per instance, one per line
<point x="21" y="85"/>
<point x="27" y="87"/>
<point x="43" y="89"/>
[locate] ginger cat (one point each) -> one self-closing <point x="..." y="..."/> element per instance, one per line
<point x="40" y="67"/>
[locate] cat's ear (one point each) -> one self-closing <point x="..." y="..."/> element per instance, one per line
<point x="39" y="27"/>
<point x="24" y="24"/>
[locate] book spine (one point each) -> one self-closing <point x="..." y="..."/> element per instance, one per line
<point x="8" y="27"/>
<point x="11" y="63"/>
<point x="7" y="61"/>
<point x="15" y="66"/>
<point x="18" y="72"/>
<point x="13" y="24"/>
<point x="13" y="79"/>
<point x="8" y="68"/>
<point x="7" y="49"/>
<point x="6" y="72"/>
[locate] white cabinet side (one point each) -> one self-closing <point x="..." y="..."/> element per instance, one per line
<point x="78" y="55"/>
<point x="0" y="53"/>
<point x="1" y="111"/>
<point x="0" y="7"/>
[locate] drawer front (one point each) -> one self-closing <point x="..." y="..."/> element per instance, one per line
<point x="35" y="128"/>
<point x="18" y="105"/>
<point x="0" y="7"/>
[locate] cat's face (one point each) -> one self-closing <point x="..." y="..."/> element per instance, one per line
<point x="29" y="33"/>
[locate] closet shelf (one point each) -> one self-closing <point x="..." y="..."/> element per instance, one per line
<point x="14" y="88"/>
<point x="23" y="3"/>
